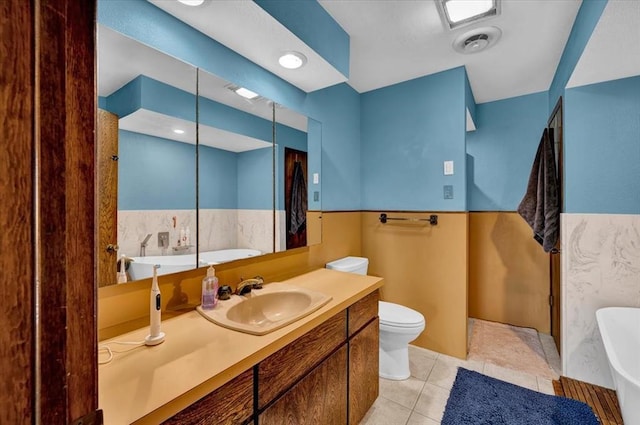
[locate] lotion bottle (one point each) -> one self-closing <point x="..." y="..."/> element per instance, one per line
<point x="156" y="336"/>
<point x="122" y="273"/>
<point x="209" y="289"/>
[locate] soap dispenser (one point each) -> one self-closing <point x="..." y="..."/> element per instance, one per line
<point x="209" y="289"/>
<point x="156" y="336"/>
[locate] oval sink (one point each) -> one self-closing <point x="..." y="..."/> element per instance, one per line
<point x="265" y="310"/>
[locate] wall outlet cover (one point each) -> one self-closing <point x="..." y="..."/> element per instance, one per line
<point x="448" y="191"/>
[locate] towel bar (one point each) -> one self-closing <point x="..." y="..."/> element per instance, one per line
<point x="433" y="219"/>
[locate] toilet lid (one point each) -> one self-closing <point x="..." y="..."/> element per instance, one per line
<point x="398" y="315"/>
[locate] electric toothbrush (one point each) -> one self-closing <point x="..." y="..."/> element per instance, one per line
<point x="156" y="336"/>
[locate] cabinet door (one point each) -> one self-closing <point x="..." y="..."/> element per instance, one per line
<point x="319" y="398"/>
<point x="282" y="369"/>
<point x="230" y="404"/>
<point x="107" y="196"/>
<point x="363" y="371"/>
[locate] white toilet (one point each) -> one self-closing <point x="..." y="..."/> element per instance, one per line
<point x="399" y="325"/>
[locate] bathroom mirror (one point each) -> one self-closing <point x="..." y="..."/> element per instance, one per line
<point x="152" y="98"/>
<point x="235" y="172"/>
<point x="243" y="204"/>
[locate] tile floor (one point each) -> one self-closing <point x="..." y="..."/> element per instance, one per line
<point x="421" y="399"/>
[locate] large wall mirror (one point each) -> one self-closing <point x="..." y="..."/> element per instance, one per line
<point x="188" y="173"/>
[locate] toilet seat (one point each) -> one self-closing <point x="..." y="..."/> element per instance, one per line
<point x="398" y="316"/>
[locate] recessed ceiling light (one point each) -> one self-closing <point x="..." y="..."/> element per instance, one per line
<point x="178" y="131"/>
<point x="292" y="60"/>
<point x="458" y="13"/>
<point x="192" y="2"/>
<point x="246" y="93"/>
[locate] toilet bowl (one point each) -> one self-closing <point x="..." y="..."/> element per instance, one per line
<point x="399" y="325"/>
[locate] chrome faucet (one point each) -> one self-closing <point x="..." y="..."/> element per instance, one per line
<point x="245" y="286"/>
<point x="143" y="245"/>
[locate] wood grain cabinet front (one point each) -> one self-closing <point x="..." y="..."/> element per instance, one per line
<point x="363" y="371"/>
<point x="230" y="404"/>
<point x="282" y="369"/>
<point x="319" y="398"/>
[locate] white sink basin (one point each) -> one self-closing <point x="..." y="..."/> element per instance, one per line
<point x="265" y="310"/>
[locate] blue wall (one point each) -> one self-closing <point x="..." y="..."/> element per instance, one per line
<point x="159" y="173"/>
<point x="218" y="183"/>
<point x="602" y="147"/>
<point x="338" y="109"/>
<point x="408" y="131"/>
<point x="502" y="149"/>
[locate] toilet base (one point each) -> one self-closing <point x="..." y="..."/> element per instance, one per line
<point x="394" y="363"/>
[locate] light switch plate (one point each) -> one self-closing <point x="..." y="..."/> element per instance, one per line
<point x="316" y="178"/>
<point x="448" y="168"/>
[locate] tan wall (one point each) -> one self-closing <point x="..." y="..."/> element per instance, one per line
<point x="125" y="307"/>
<point x="425" y="268"/>
<point x="508" y="272"/>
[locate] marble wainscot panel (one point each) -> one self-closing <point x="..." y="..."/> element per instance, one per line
<point x="218" y="229"/>
<point x="600" y="268"/>
<point x="135" y="225"/>
<point x="255" y="230"/>
<point x="281" y="230"/>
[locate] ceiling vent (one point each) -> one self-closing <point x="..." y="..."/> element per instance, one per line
<point x="477" y="40"/>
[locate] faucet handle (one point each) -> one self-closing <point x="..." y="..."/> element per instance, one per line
<point x="259" y="281"/>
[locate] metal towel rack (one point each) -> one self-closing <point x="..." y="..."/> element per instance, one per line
<point x="433" y="219"/>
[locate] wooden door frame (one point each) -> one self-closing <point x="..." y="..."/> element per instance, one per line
<point x="49" y="359"/>
<point x="555" y="308"/>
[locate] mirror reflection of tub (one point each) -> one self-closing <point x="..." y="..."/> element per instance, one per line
<point x="142" y="267"/>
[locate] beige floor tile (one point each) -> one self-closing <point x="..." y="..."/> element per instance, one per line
<point x="446" y="368"/>
<point x="386" y="412"/>
<point x="551" y="352"/>
<point x="421" y="362"/>
<point x="418" y="419"/>
<point x="432" y="401"/>
<point x="545" y="386"/>
<point x="518" y="378"/>
<point x="424" y="351"/>
<point x="405" y="392"/>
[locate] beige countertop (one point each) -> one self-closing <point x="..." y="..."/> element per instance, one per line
<point x="145" y="385"/>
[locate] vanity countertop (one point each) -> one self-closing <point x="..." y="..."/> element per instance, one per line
<point x="150" y="384"/>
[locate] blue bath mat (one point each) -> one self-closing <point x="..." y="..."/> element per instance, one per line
<point x="481" y="400"/>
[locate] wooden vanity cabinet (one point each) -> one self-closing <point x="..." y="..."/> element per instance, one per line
<point x="327" y="376"/>
<point x="230" y="404"/>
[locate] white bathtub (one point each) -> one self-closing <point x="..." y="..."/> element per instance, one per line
<point x="620" y="330"/>
<point x="142" y="267"/>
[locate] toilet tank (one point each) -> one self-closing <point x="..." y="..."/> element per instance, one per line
<point x="357" y="265"/>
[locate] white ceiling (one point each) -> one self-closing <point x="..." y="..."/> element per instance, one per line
<point x="246" y="28"/>
<point x="394" y="41"/>
<point x="160" y="125"/>
<point x="613" y="50"/>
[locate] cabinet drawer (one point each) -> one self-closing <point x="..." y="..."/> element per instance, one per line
<point x="280" y="370"/>
<point x="361" y="312"/>
<point x="319" y="398"/>
<point x="230" y="404"/>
